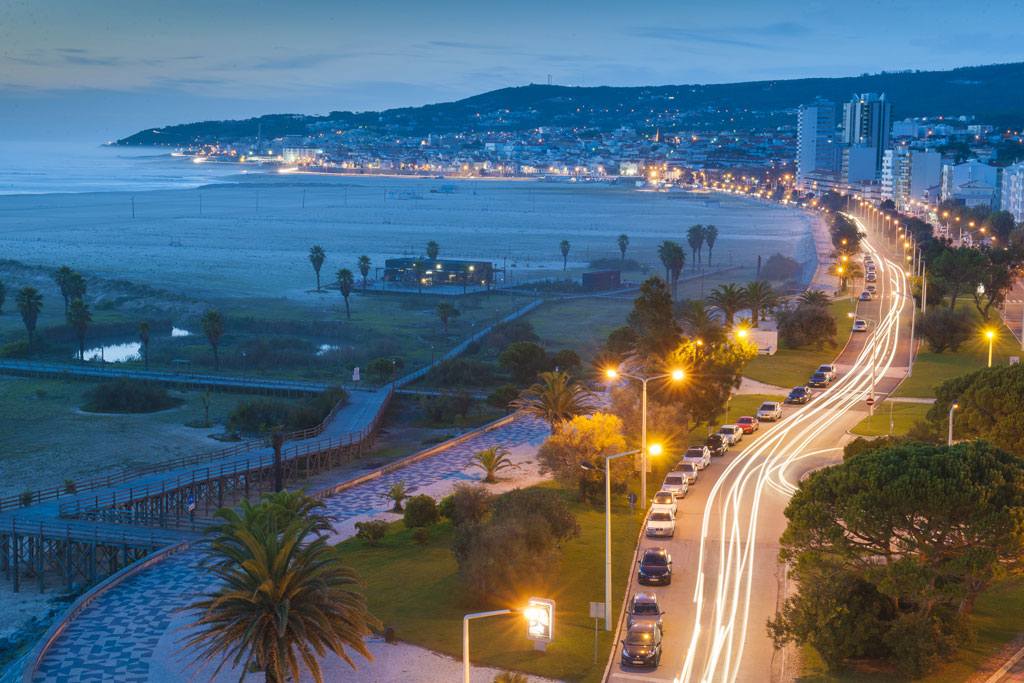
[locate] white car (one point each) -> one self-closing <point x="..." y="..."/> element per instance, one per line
<point x="661" y="523"/>
<point x="665" y="500"/>
<point x="689" y="469"/>
<point x="770" y="411"/>
<point x="829" y="370"/>
<point x="676" y="483"/>
<point x="860" y="326"/>
<point x="698" y="455"/>
<point x="731" y="432"/>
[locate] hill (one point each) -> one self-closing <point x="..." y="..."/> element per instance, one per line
<point x="990" y="93"/>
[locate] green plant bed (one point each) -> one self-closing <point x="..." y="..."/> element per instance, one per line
<point x="793" y="367"/>
<point x="426" y="606"/>
<point x="903" y="415"/>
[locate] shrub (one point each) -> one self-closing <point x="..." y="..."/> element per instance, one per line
<point x="467" y="504"/>
<point x="455" y="372"/>
<point x="372" y="531"/>
<point x="18" y="349"/>
<point x="524" y="360"/>
<point x="69" y="486"/>
<point x="382" y="369"/>
<point x="611" y="263"/>
<point x="446" y="407"/>
<point x="312" y="411"/>
<point x="621" y="340"/>
<point x="504" y="334"/>
<point x="259" y="414"/>
<point x="420" y="511"/>
<point x="128" y="396"/>
<point x="945" y="329"/>
<point x="566" y="360"/>
<point x="519" y="504"/>
<point x="502" y="396"/>
<point x="807" y="325"/>
<point x="421" y="535"/>
<point x="779" y="267"/>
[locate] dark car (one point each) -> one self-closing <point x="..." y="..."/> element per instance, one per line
<point x="642" y="645"/>
<point x="799" y="395"/>
<point x="818" y="379"/>
<point x="655" y="567"/>
<point x="716" y="444"/>
<point x="644" y="608"/>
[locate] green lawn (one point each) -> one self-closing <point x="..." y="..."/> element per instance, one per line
<point x="998" y="617"/>
<point x="578" y="324"/>
<point x="793" y="367"/>
<point x="416" y="590"/>
<point x="903" y="415"/>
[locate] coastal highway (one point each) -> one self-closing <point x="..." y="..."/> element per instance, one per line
<point x="726" y="578"/>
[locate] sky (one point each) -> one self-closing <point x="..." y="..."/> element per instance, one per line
<point x="102" y="69"/>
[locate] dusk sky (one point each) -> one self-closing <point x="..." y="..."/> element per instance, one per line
<point x="105" y="68"/>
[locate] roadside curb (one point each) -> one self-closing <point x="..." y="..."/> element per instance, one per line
<point x="1001" y="671"/>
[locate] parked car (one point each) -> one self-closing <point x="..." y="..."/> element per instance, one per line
<point x="644" y="608"/>
<point x="871" y="276"/>
<point x="665" y="500"/>
<point x="829" y="370"/>
<point x="642" y="646"/>
<point x="731" y="432"/>
<point x="799" y="395"/>
<point x="860" y="326"/>
<point x="748" y="424"/>
<point x="770" y="411"/>
<point x="716" y="444"/>
<point x="655" y="567"/>
<point x="872" y="289"/>
<point x="698" y="455"/>
<point x="661" y="523"/>
<point x="676" y="483"/>
<point x="689" y="470"/>
<point x="819" y="379"/>
<point x="865" y="296"/>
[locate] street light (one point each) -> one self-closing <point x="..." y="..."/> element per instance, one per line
<point x="655" y="450"/>
<point x="539" y="613"/>
<point x="676" y="376"/>
<point x="949" y="440"/>
<point x="991" y="337"/>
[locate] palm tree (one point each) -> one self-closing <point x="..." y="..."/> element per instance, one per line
<point x="555" y="399"/>
<point x="76" y="286"/>
<point x="813" y="297"/>
<point x="213" y="327"/>
<point x="492" y="460"/>
<point x="665" y="254"/>
<point x="397" y="492"/>
<point x="3" y="295"/>
<point x="674" y="259"/>
<point x="695" y="238"/>
<point x="62" y="277"/>
<point x="79" y="317"/>
<point x="364" y="268"/>
<point x="345" y="282"/>
<point x="730" y="299"/>
<point x="710" y="235"/>
<point x="564" y="247"/>
<point x="510" y="677"/>
<point x="317" y="258"/>
<point x="433" y="249"/>
<point x="853" y="271"/>
<point x="419" y="269"/>
<point x="29" y="302"/>
<point x="446" y="312"/>
<point x="760" y="297"/>
<point x="699" y="322"/>
<point x="285" y="598"/>
<point x="144" y="329"/>
<point x="623" y="241"/>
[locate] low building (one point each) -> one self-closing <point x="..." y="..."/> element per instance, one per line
<point x="601" y="280"/>
<point x="422" y="272"/>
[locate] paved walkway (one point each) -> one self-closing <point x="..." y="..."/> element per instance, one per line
<point x="117" y="636"/>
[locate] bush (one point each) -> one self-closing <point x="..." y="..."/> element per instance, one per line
<point x="621" y="340"/>
<point x="779" y="267"/>
<point x="519" y="504"/>
<point x="128" y="396"/>
<point x="26" y="497"/>
<point x="467" y="504"/>
<point x="70" y="486"/>
<point x="381" y="370"/>
<point x="263" y="414"/>
<point x="611" y="263"/>
<point x="566" y="360"/>
<point x="807" y="325"/>
<point x="313" y="410"/>
<point x="446" y="407"/>
<point x="504" y="334"/>
<point x="421" y="535"/>
<point x="420" y="511"/>
<point x="455" y="372"/>
<point x="502" y="396"/>
<point x="18" y="349"/>
<point x="945" y="329"/>
<point x="372" y="531"/>
<point x="524" y="360"/>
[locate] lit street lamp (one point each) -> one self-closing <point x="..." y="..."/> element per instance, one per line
<point x="540" y="616"/>
<point x="949" y="440"/>
<point x="991" y="337"/>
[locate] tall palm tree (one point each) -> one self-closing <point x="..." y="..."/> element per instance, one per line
<point x="317" y="258"/>
<point x="846" y="271"/>
<point x="29" y="302"/>
<point x="285" y="597"/>
<point x="674" y="259"/>
<point x="700" y="323"/>
<point x="695" y="238"/>
<point x="3" y="295"/>
<point x="76" y="286"/>
<point x="144" y="329"/>
<point x="710" y="235"/>
<point x="363" y="263"/>
<point x="446" y="312"/>
<point x="62" y="277"/>
<point x="555" y="399"/>
<point x="79" y="317"/>
<point x="345" y="282"/>
<point x="761" y="298"/>
<point x="665" y="254"/>
<point x="730" y="299"/>
<point x="623" y="241"/>
<point x="564" y="248"/>
<point x="433" y="249"/>
<point x="813" y="297"/>
<point x="419" y="269"/>
<point x="492" y="460"/>
<point x="213" y="327"/>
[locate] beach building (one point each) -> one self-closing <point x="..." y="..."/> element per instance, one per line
<point x="422" y="272"/>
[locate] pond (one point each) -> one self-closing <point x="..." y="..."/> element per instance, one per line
<point x="123" y="351"/>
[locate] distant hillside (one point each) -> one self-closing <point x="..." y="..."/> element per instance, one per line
<point x="993" y="94"/>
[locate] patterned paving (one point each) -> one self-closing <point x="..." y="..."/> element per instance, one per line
<point x="114" y="638"/>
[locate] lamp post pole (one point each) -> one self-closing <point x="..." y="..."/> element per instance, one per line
<point x="949" y="440"/>
<point x="465" y="637"/>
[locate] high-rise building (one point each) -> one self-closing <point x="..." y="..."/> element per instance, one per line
<point x="908" y="173"/>
<point x="1013" y="191"/>
<point x="867" y="122"/>
<point x="815" y="139"/>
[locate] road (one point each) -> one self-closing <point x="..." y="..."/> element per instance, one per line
<point x="726" y="578"/>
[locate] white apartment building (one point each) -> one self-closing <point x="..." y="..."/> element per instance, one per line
<point x="1012" y="199"/>
<point x="971" y="184"/>
<point x="815" y="140"/>
<point x="908" y="173"/>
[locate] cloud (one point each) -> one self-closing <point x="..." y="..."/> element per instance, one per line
<point x="296" y="62"/>
<point x="785" y="28"/>
<point x="678" y="35"/>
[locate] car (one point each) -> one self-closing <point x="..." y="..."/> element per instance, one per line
<point x="665" y="500"/>
<point x="698" y="455"/>
<point x="688" y="469"/>
<point x="731" y="432"/>
<point x="871" y="288"/>
<point x="661" y="523"/>
<point x="819" y="379"/>
<point x="642" y="646"/>
<point x="655" y="567"/>
<point x="860" y="325"/>
<point x="770" y="411"/>
<point x="865" y="296"/>
<point x="799" y="395"/>
<point x="676" y="483"/>
<point x="716" y="444"/>
<point x="748" y="424"/>
<point x="829" y="370"/>
<point x="645" y="608"/>
<point x="871" y="276"/>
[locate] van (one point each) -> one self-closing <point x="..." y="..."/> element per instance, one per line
<point x="676" y="483"/>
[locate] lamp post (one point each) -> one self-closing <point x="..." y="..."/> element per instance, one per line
<point x="537" y="605"/>
<point x="990" y="335"/>
<point x="913" y="315"/>
<point x="949" y="440"/>
<point x="676" y="376"/>
<point x="871" y="408"/>
<point x="243" y="367"/>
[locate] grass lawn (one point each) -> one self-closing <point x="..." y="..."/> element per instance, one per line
<point x="739" y="405"/>
<point x="793" y="367"/>
<point x="578" y="324"/>
<point x="416" y="590"/>
<point x="904" y="415"/>
<point x="998" y="617"/>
